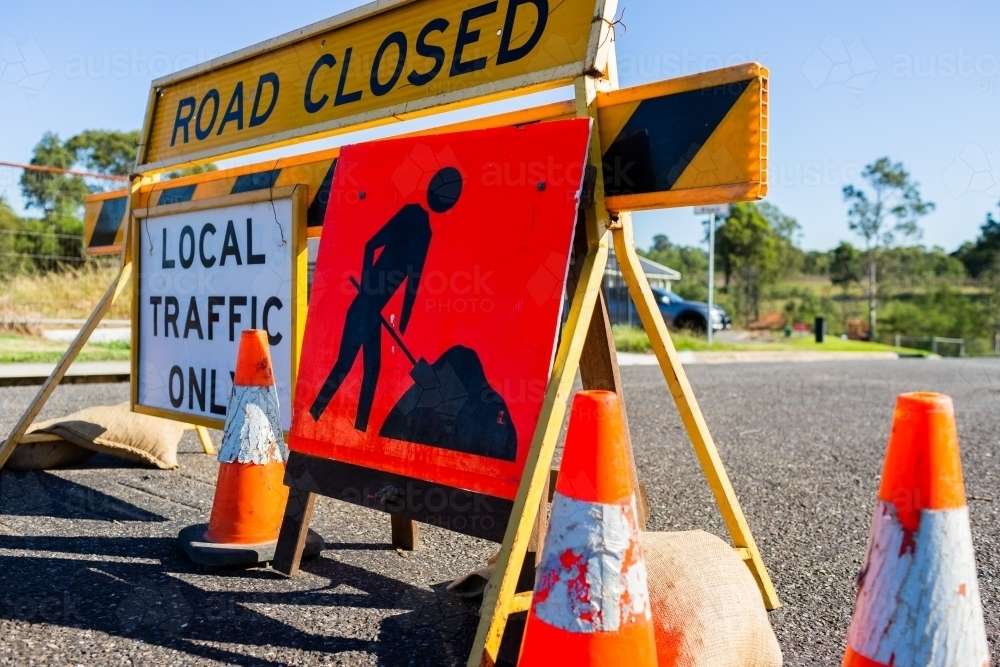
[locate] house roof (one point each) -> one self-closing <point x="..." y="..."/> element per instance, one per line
<point x="654" y="270"/>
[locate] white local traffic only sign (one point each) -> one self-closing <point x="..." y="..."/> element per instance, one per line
<point x="204" y="277"/>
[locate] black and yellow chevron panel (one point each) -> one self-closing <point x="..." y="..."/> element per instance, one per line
<point x="694" y="140"/>
<point x="104" y="213"/>
<point x="102" y="222"/>
<point x="691" y="141"/>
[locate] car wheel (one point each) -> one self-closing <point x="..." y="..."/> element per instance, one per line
<point x="691" y="322"/>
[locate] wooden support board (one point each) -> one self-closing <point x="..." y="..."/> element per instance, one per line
<point x="114" y="290"/>
<point x="294" y="529"/>
<point x="599" y="362"/>
<point x="463" y="511"/>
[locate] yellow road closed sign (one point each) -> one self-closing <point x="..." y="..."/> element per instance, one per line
<point x="382" y="61"/>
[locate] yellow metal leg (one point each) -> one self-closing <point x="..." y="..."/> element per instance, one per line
<point x="206" y="440"/>
<point x="690" y="413"/>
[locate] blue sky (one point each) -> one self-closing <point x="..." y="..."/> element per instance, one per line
<point x="850" y="81"/>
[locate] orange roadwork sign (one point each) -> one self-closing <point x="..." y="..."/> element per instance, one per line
<point x="433" y="317"/>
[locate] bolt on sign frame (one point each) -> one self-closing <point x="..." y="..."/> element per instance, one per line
<point x="576" y="40"/>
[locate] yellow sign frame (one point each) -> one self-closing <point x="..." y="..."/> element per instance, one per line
<point x="730" y="166"/>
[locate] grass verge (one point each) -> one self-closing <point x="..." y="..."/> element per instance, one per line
<point x="24" y="349"/>
<point x="633" y="339"/>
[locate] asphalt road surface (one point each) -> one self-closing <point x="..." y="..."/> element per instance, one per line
<point x="92" y="573"/>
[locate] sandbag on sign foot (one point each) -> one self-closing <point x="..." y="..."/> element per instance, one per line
<point x="104" y="429"/>
<point x="707" y="609"/>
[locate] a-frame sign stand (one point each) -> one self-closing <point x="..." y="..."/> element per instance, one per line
<point x="582" y="336"/>
<point x="586" y="342"/>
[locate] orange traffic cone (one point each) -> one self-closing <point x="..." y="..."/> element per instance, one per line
<point x="250" y="494"/>
<point x="591" y="600"/>
<point x="918" y="596"/>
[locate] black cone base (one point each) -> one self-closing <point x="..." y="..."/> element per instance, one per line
<point x="211" y="554"/>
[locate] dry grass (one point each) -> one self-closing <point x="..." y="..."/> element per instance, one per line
<point x="71" y="294"/>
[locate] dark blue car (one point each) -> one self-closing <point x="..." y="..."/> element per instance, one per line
<point x="680" y="313"/>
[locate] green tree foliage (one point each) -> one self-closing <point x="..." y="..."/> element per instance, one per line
<point x="942" y="311"/>
<point x="33" y="244"/>
<point x="10" y="261"/>
<point x="60" y="196"/>
<point x="57" y="196"/>
<point x="888" y="205"/>
<point x="806" y="306"/>
<point x="787" y="230"/>
<point x="906" y="266"/>
<point x="756" y="247"/>
<point x="845" y="265"/>
<point x="981" y="256"/>
<point x="816" y="263"/>
<point x="691" y="262"/>
<point x="916" y="266"/>
<point x="924" y="290"/>
<point x="56" y="238"/>
<point x="105" y="151"/>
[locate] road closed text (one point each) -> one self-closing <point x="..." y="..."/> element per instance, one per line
<point x="392" y="62"/>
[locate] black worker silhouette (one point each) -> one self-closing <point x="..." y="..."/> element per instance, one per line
<point x="451" y="404"/>
<point x="404" y="242"/>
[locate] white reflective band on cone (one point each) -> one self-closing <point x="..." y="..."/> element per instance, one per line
<point x="253" y="427"/>
<point x="592" y="577"/>
<point x="918" y="603"/>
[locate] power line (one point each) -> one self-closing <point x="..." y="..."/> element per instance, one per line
<point x="56" y="170"/>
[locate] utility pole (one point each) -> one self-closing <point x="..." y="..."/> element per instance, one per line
<point x="710" y="328"/>
<point x="712" y="211"/>
<point x="872" y="294"/>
